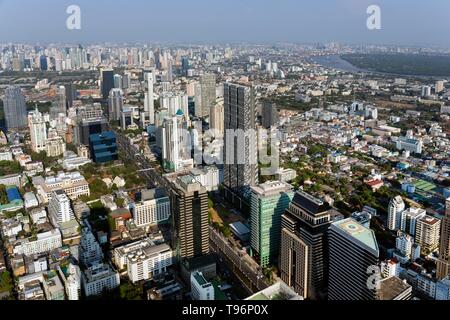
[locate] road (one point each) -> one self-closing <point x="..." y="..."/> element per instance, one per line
<point x="249" y="269"/>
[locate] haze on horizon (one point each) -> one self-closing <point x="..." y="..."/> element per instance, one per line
<point x="404" y="22"/>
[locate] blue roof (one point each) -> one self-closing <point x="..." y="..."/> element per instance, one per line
<point x="100" y="136"/>
<point x="180" y="112"/>
<point x="13" y="194"/>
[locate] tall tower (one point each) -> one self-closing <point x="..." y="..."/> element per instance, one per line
<point x="443" y="265"/>
<point x="216" y="119"/>
<point x="205" y="95"/>
<point x="268" y="203"/>
<point x="107" y="82"/>
<point x="240" y="148"/>
<point x="149" y="107"/>
<point x="15" y="108"/>
<point x="396" y="207"/>
<point x="353" y="252"/>
<point x="38" y="130"/>
<point x="190" y="218"/>
<point x="115" y="104"/>
<point x="304" y="245"/>
<point x="61" y="99"/>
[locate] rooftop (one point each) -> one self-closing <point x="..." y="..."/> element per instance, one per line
<point x="359" y="233"/>
<point x="391" y="288"/>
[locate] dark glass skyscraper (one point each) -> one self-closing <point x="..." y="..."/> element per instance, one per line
<point x="15" y="108"/>
<point x="107" y="79"/>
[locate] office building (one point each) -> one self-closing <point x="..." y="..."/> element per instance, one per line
<point x="152" y="208"/>
<point x="15" y="108"/>
<point x="217" y="120"/>
<point x="61" y="100"/>
<point x="395" y="209"/>
<point x="428" y="231"/>
<point x="118" y="81"/>
<point x="55" y="146"/>
<point x="409" y="219"/>
<point x="87" y="127"/>
<point x="269" y="115"/>
<point x="38" y="130"/>
<point x="149" y="262"/>
<point x="190" y="218"/>
<point x="205" y="95"/>
<point x="268" y="202"/>
<point x="71" y="94"/>
<point x="353" y="251"/>
<point x="240" y="161"/>
<point x="115" y="104"/>
<point x="201" y="289"/>
<point x="103" y="147"/>
<point x="443" y="264"/>
<point x="304" y="245"/>
<point x="107" y="82"/>
<point x="43" y="63"/>
<point x="59" y="208"/>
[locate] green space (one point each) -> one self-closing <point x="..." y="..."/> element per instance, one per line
<point x="424" y="185"/>
<point x="6" y="282"/>
<point x="405" y="64"/>
<point x="9" y="167"/>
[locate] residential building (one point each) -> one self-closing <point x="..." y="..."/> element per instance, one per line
<point x="428" y="233"/>
<point x="395" y="209"/>
<point x="59" y="208"/>
<point x="115" y="104"/>
<point x="15" y="108"/>
<point x="38" y="130"/>
<point x="98" y="279"/>
<point x="409" y="219"/>
<point x="268" y="203"/>
<point x="42" y="242"/>
<point x="443" y="265"/>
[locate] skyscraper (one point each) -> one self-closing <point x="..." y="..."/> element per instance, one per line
<point x="115" y="104"/>
<point x="269" y="114"/>
<point x="240" y="159"/>
<point x="15" y="108"/>
<point x="205" y="95"/>
<point x="59" y="208"/>
<point x="61" y="101"/>
<point x="43" y="63"/>
<point x="176" y="144"/>
<point x="353" y="252"/>
<point x="117" y="81"/>
<point x="268" y="202"/>
<point x="71" y="94"/>
<point x="304" y="244"/>
<point x="396" y="207"/>
<point x="443" y="265"/>
<point x="107" y="81"/>
<point x="38" y="130"/>
<point x="190" y="218"/>
<point x="216" y="119"/>
<point x="149" y="107"/>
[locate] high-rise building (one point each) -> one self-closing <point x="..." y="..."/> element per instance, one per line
<point x="71" y="94"/>
<point x="43" y="63"/>
<point x="118" y="81"/>
<point x="59" y="208"/>
<point x="396" y="207"/>
<point x="107" y="82"/>
<point x="409" y="220"/>
<point x="428" y="233"/>
<point x="353" y="252"/>
<point x="205" y="93"/>
<point x="240" y="161"/>
<point x="216" y="119"/>
<point x="15" y="108"/>
<point x="202" y="290"/>
<point x="443" y="265"/>
<point x="268" y="202"/>
<point x="440" y="86"/>
<point x="61" y="101"/>
<point x="190" y="218"/>
<point x="103" y="147"/>
<point x="269" y="115"/>
<point x="304" y="245"/>
<point x="115" y="104"/>
<point x="152" y="208"/>
<point x="38" y="130"/>
<point x="149" y="107"/>
<point x="176" y="144"/>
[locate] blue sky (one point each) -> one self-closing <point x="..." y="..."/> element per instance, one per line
<point x="405" y="22"/>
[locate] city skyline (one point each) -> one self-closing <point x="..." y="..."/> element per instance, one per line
<point x="254" y="22"/>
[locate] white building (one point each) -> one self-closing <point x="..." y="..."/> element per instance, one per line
<point x="428" y="231"/>
<point x="153" y="208"/>
<point x="99" y="278"/>
<point x="286" y="175"/>
<point x="396" y="207"/>
<point x="71" y="277"/>
<point x="38" y="130"/>
<point x="410" y="144"/>
<point x="149" y="262"/>
<point x="174" y="101"/>
<point x="55" y="146"/>
<point x="149" y="106"/>
<point x="59" y="208"/>
<point x="410" y="218"/>
<point x="30" y="200"/>
<point x="90" y="250"/>
<point x="210" y="177"/>
<point x="73" y="184"/>
<point x="200" y="288"/>
<point x="43" y="242"/>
